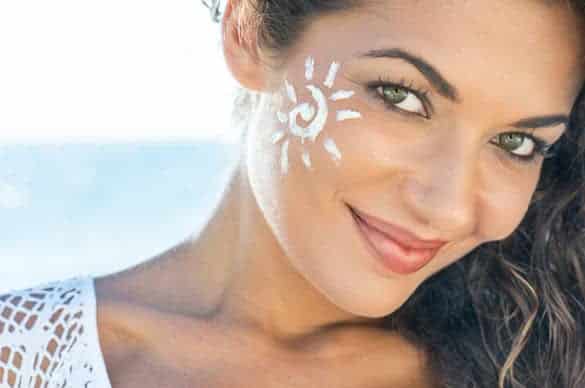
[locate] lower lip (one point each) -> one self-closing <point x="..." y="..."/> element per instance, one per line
<point x="393" y="256"/>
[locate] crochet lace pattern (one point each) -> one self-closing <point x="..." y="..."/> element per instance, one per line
<point x="48" y="337"/>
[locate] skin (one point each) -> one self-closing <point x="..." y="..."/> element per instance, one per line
<point x="279" y="276"/>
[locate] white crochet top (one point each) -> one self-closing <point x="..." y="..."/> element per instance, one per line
<point x="49" y="337"/>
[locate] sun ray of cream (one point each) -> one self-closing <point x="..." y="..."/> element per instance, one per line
<point x="331" y="75"/>
<point x="331" y="147"/>
<point x="348" y="115"/>
<point x="278" y="136"/>
<point x="314" y="116"/>
<point x="290" y="90"/>
<point x="309" y="68"/>
<point x="283" y="118"/>
<point x="284" y="157"/>
<point x="341" y="95"/>
<point x="306" y="158"/>
<point x="307" y="112"/>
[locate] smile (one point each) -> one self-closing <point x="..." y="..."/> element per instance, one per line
<point x="393" y="254"/>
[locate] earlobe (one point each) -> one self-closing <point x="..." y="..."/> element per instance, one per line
<point x="241" y="52"/>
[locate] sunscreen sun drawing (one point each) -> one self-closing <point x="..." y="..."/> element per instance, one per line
<point x="316" y="117"/>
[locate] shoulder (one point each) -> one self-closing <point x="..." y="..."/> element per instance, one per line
<point x="47" y="333"/>
<point x="119" y="320"/>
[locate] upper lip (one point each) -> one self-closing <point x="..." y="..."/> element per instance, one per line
<point x="396" y="233"/>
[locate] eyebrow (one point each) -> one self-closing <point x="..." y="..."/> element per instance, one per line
<point x="542" y="121"/>
<point x="449" y="91"/>
<point x="440" y="84"/>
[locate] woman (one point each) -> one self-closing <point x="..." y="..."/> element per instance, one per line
<point x="407" y="211"/>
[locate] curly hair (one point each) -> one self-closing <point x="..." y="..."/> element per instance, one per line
<point x="510" y="313"/>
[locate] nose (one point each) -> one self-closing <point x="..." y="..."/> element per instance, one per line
<point x="441" y="193"/>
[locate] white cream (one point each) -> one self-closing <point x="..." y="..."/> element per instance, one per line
<point x="278" y="136"/>
<point x="318" y="120"/>
<point x="306" y="158"/>
<point x="282" y="117"/>
<point x="314" y="116"/>
<point x="331" y="147"/>
<point x="290" y="90"/>
<point x="309" y="68"/>
<point x="348" y="115"/>
<point x="284" y="157"/>
<point x="341" y="95"/>
<point x="331" y="75"/>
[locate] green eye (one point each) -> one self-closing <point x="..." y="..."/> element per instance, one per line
<point x="394" y="95"/>
<point x="523" y="146"/>
<point x="514" y="140"/>
<point x="400" y="98"/>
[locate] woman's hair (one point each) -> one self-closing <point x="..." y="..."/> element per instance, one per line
<point x="511" y="313"/>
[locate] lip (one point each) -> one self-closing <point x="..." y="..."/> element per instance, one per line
<point x="395" y="256"/>
<point x="406" y="239"/>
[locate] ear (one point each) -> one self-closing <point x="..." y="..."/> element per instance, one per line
<point x="240" y="48"/>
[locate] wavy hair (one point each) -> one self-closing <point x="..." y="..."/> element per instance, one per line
<point x="511" y="313"/>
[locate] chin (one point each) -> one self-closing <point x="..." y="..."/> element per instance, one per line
<point x="368" y="295"/>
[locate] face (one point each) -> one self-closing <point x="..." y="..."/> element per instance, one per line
<point x="423" y="115"/>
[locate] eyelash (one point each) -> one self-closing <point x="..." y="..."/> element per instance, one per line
<point x="421" y="94"/>
<point x="541" y="147"/>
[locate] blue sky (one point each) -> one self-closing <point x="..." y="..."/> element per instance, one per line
<point x="97" y="208"/>
<point x="114" y="132"/>
<point x="111" y="70"/>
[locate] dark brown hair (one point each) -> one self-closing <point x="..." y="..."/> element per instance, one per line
<point x="511" y="313"/>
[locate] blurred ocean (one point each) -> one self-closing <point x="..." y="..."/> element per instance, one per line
<point x="71" y="209"/>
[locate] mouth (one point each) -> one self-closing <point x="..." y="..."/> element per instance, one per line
<point x="395" y="254"/>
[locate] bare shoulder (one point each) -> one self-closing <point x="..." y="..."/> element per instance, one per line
<point x="119" y="336"/>
<point x="136" y="334"/>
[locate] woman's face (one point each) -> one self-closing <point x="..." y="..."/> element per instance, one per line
<point x="430" y="156"/>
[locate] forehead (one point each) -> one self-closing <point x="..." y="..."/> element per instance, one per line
<point x="516" y="45"/>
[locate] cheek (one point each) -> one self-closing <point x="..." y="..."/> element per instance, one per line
<point x="372" y="153"/>
<point x="506" y="192"/>
<point x="296" y="144"/>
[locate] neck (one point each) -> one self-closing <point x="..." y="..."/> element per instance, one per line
<point x="258" y="288"/>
